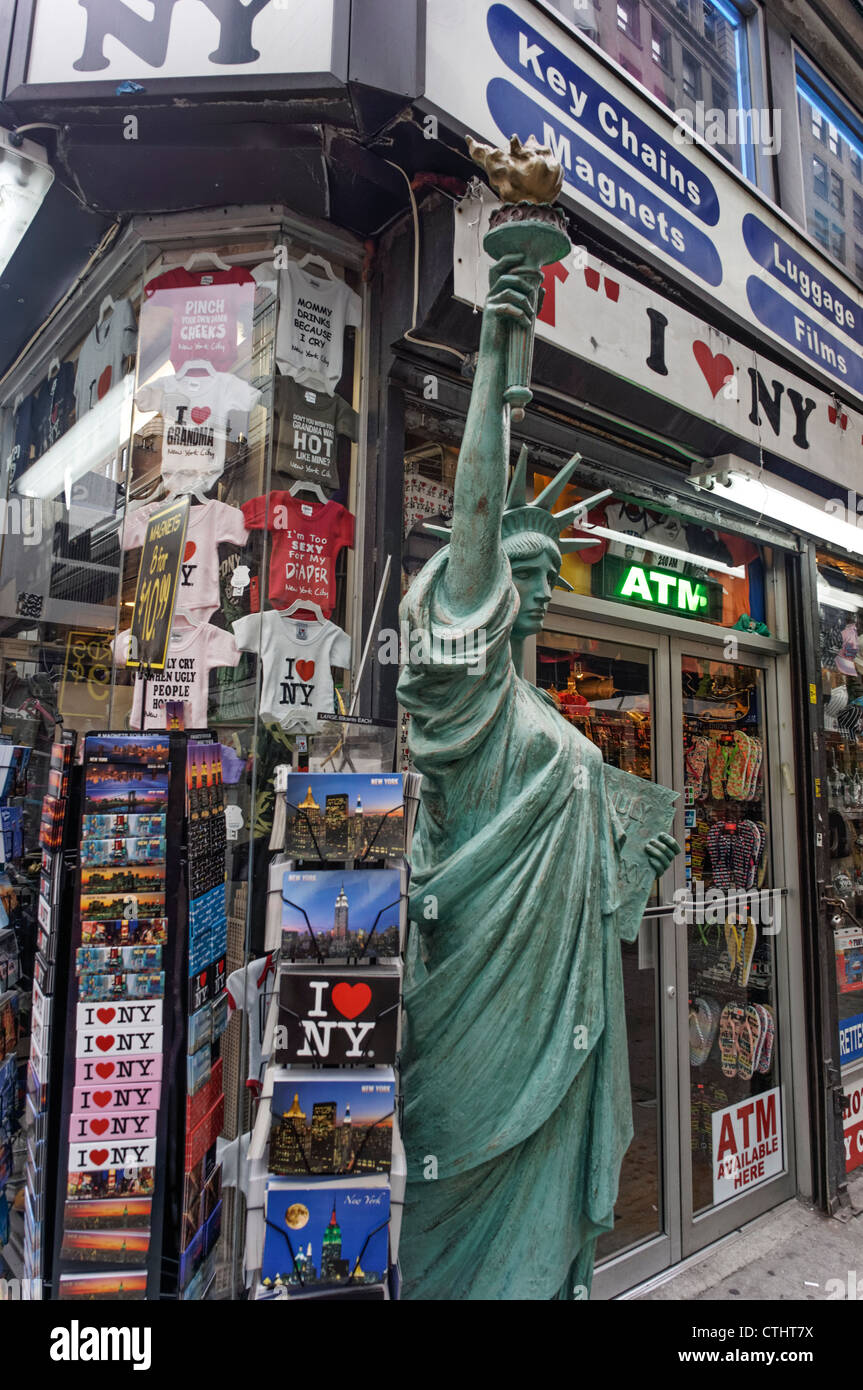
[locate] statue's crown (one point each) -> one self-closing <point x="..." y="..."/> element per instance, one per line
<point x="521" y="515"/>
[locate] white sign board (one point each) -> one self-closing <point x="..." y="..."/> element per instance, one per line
<point x="747" y="1144"/>
<point x="509" y="69"/>
<point x="133" y="40"/>
<point x="614" y="322"/>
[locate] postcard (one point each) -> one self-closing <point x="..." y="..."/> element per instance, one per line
<point x="328" y="1123"/>
<point x="118" y="931"/>
<point x="338" y="1016"/>
<point x="319" y="1236"/>
<point x="116" y="1154"/>
<point x="86" y="1287"/>
<point x="122" y="826"/>
<point x="139" y="984"/>
<point x="112" y="958"/>
<point x="96" y="1246"/>
<point x="327" y="914"/>
<point x="112" y="1182"/>
<point x="132" y="906"/>
<point x="139" y="849"/>
<point x="96" y="1099"/>
<point x="116" y="1070"/>
<point x="111" y="788"/>
<point x="86" y="1127"/>
<point x="111" y="1213"/>
<point x="99" y="1041"/>
<point x="148" y="749"/>
<point x="334" y="815"/>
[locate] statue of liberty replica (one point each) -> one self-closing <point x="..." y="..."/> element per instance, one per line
<point x="515" y="1068"/>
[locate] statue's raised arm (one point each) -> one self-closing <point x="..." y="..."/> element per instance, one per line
<point x="526" y="234"/>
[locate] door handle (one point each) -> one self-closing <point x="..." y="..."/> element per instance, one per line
<point x="671" y="992"/>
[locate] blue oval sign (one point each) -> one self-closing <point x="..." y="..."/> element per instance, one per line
<point x="809" y="284"/>
<point x="804" y="334"/>
<point x="593" y="177"/>
<point x="584" y="101"/>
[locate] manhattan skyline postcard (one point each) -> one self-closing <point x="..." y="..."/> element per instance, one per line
<point x="324" y="1125"/>
<point x="335" y="913"/>
<point x="321" y="1236"/>
<point x="344" y="816"/>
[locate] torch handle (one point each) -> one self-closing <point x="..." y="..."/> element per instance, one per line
<point x="520" y="353"/>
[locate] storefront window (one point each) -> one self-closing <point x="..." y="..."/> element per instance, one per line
<point x="840" y="596"/>
<point x="685" y="54"/>
<point x="831" y="138"/>
<point x="228" y="377"/>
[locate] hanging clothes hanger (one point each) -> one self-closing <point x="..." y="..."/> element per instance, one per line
<point x="198" y="496"/>
<point x="198" y="367"/>
<point x="303" y="486"/>
<point x="105" y="308"/>
<point x="304" y="603"/>
<point x="315" y="258"/>
<point x="208" y="257"/>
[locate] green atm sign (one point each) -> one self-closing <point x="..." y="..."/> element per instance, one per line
<point x="652" y="587"/>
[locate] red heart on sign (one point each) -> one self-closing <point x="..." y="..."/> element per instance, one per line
<point x="305" y="670"/>
<point x="350" y="1000"/>
<point x="202" y="979"/>
<point x="715" y="370"/>
<point x="104" y="1069"/>
<point x="99" y="1126"/>
<point x="200" y="413"/>
<point x="105" y="1042"/>
<point x="101" y="1098"/>
<point x="105" y="1015"/>
<point x="190" y="550"/>
<point x="98" y="1156"/>
<point x="103" y="385"/>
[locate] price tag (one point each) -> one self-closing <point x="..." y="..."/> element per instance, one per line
<point x="156" y="594"/>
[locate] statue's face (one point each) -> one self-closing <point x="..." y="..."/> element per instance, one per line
<point x="534" y="578"/>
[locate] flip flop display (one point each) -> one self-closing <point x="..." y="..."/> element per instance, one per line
<point x="748" y="1042"/>
<point x="728" y="1040"/>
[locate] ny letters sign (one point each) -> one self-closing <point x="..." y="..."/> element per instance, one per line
<point x="79" y="41"/>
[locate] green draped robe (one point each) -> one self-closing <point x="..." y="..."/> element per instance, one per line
<point x="514" y="1130"/>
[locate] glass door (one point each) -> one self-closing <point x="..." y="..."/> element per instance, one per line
<point x="607" y="688"/>
<point x="730" y="902"/>
<point x="706" y="981"/>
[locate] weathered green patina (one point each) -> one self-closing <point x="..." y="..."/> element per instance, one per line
<point x="516" y="1074"/>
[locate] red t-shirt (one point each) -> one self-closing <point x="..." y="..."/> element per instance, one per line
<point x="306" y="539"/>
<point x="205" y="307"/>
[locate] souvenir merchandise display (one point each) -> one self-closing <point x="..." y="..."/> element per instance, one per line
<point x="330" y="1204"/>
<point x="22" y="1010"/>
<point x="207" y="949"/>
<point x="194" y="650"/>
<point x="308" y="424"/>
<point x="313" y="314"/>
<point x="46" y="1018"/>
<point x="196" y="406"/>
<point x="732" y="977"/>
<point x="297" y="658"/>
<point x="306" y="538"/>
<point x="842" y="703"/>
<point x="209" y="526"/>
<point x="208" y="312"/>
<point x="142" y="943"/>
<point x="112" y="340"/>
<point x="147" y="969"/>
<point x="113" y="1075"/>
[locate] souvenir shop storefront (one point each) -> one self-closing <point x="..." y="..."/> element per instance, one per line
<point x="712" y="465"/>
<point x="289" y="371"/>
<point x="187" y="433"/>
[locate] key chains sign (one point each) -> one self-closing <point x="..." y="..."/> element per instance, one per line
<point x="158" y="578"/>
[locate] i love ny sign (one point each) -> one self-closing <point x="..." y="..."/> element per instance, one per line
<point x="338" y="1017"/>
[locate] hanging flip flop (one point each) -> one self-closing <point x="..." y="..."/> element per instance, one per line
<point x="728" y="1041"/>
<point x="738" y="767"/>
<point x="765" y="1061"/>
<point x="748" y="1039"/>
<point x="750" y="941"/>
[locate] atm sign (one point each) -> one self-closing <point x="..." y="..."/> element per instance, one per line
<point x="663" y="589"/>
